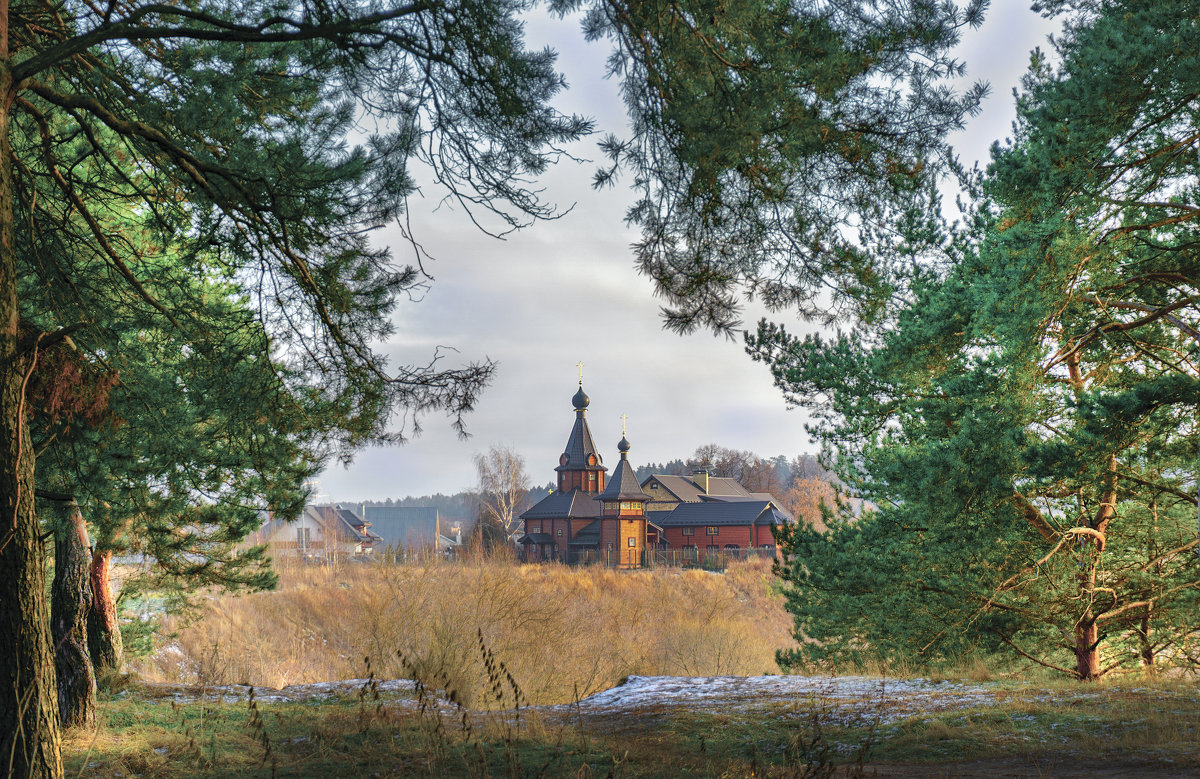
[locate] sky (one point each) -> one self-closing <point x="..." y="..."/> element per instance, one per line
<point x="562" y="292"/>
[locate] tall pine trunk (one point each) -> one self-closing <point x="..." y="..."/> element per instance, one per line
<point x="70" y="603"/>
<point x="104" y="632"/>
<point x="1087" y="650"/>
<point x="29" y="729"/>
<point x="1087" y="632"/>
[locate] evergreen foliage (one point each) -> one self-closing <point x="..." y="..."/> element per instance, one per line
<point x="183" y="202"/>
<point x="772" y="143"/>
<point x="1025" y="422"/>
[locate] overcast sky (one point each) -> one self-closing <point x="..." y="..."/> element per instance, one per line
<point x="566" y="291"/>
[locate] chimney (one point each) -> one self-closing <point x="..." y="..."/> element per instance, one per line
<point x="701" y="479"/>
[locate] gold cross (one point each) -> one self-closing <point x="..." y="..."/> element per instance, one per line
<point x="579" y="365"/>
<point x="623" y="418"/>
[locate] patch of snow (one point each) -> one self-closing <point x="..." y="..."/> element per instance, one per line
<point x="846" y="697"/>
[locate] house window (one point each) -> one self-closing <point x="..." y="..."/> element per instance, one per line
<point x="689" y="531"/>
<point x="302" y="537"/>
<point x="559" y="533"/>
<point x="632" y="541"/>
<point x="556" y="549"/>
<point x="534" y="529"/>
<point x="610" y="546"/>
<point x="710" y="531"/>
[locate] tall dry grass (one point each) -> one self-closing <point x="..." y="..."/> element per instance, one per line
<point x="562" y="632"/>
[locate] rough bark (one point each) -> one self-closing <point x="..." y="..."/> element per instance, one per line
<point x="1087" y="634"/>
<point x="29" y="730"/>
<point x="1145" y="648"/>
<point x="1087" y="650"/>
<point x="70" y="603"/>
<point x="104" y="631"/>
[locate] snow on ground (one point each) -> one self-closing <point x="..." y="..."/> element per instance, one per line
<point x="843" y="697"/>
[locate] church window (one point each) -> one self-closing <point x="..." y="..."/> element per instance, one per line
<point x="688" y="531"/>
<point x="711" y="531"/>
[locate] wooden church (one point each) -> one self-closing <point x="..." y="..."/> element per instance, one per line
<point x="589" y="518"/>
<point x="594" y="518"/>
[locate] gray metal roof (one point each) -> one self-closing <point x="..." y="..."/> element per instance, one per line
<point x="742" y="512"/>
<point x="623" y="483"/>
<point x="754" y="496"/>
<point x="404" y="526"/>
<point x="561" y="505"/>
<point x="536" y="538"/>
<point x="579" y="446"/>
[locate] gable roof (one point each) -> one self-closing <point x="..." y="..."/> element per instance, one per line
<point x="711" y="513"/>
<point x="560" y="505"/>
<point x="753" y="496"/>
<point x="342" y="523"/>
<point x="687" y="490"/>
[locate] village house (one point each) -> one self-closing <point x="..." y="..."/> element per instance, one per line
<point x="617" y="521"/>
<point x="319" y="533"/>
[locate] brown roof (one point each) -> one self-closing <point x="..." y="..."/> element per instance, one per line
<point x="687" y="488"/>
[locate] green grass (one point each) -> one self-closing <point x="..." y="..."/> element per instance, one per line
<point x="1123" y="726"/>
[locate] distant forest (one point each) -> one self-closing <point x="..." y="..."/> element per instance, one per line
<point x="791" y="480"/>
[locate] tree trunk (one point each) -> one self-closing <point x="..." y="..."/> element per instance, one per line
<point x="104" y="632"/>
<point x="1087" y="650"/>
<point x="29" y="730"/>
<point x="1146" y="649"/>
<point x="70" y="602"/>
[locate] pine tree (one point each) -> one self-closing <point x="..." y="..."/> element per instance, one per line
<point x="1025" y="423"/>
<point x="152" y="151"/>
<point x="772" y="142"/>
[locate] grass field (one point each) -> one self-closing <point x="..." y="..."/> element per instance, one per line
<point x="563" y="632"/>
<point x="1123" y="729"/>
<point x="507" y="656"/>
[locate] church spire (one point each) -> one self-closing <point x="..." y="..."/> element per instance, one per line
<point x="623" y="486"/>
<point x="581" y="466"/>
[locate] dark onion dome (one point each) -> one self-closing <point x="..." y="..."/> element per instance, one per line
<point x="581" y="400"/>
<point x="580" y="453"/>
<point x="623" y="485"/>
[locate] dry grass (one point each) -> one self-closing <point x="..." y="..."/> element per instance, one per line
<point x="564" y="633"/>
